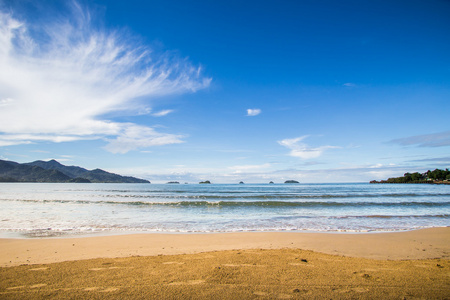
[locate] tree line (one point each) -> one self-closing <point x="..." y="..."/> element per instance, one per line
<point x="428" y="177"/>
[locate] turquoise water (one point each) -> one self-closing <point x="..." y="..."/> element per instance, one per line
<point x="48" y="209"/>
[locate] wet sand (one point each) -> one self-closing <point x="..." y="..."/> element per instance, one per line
<point x="267" y="265"/>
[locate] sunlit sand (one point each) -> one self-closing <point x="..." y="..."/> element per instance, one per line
<point x="224" y="266"/>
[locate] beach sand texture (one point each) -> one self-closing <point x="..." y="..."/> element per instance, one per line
<point x="407" y="265"/>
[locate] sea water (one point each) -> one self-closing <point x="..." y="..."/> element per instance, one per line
<point x="53" y="209"/>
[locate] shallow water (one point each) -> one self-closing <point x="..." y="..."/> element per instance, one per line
<point x="49" y="209"/>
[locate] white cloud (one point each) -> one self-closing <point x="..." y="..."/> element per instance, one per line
<point x="253" y="112"/>
<point x="133" y="136"/>
<point x="162" y="113"/>
<point x="57" y="84"/>
<point x="349" y="84"/>
<point x="302" y="150"/>
<point x="4" y="143"/>
<point x="5" y="102"/>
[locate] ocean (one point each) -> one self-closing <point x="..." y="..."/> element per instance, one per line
<point x="53" y="209"/>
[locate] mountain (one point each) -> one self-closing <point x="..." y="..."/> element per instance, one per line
<point x="70" y="171"/>
<point x="12" y="171"/>
<point x="53" y="171"/>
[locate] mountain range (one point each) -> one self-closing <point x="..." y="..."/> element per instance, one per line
<point x="53" y="171"/>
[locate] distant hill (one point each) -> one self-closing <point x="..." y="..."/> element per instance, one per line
<point x="53" y="171"/>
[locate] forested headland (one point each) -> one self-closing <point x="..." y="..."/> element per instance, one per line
<point x="437" y="176"/>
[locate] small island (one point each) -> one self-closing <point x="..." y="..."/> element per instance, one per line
<point x="205" y="182"/>
<point x="173" y="182"/>
<point x="291" y="181"/>
<point x="434" y="177"/>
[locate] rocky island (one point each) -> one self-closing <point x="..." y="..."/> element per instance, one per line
<point x="291" y="181"/>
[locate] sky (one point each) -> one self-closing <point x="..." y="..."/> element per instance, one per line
<point x="316" y="91"/>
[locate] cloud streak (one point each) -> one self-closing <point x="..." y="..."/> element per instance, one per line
<point x="162" y="113"/>
<point x="440" y="139"/>
<point x="434" y="159"/>
<point x="302" y="150"/>
<point x="57" y="83"/>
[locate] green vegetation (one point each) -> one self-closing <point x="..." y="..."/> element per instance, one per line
<point x="79" y="180"/>
<point x="205" y="182"/>
<point x="436" y="176"/>
<point x="8" y="179"/>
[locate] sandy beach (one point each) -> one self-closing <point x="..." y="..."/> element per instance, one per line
<point x="267" y="265"/>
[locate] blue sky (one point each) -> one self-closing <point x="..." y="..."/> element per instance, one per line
<point x="229" y="91"/>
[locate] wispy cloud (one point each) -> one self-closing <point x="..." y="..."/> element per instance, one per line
<point x="162" y="113"/>
<point x="440" y="139"/>
<point x="135" y="136"/>
<point x="434" y="159"/>
<point x="349" y="84"/>
<point x="59" y="80"/>
<point x="302" y="150"/>
<point x="247" y="168"/>
<point x="251" y="112"/>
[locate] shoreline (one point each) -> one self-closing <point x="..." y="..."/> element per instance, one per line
<point x="406" y="245"/>
<point x="47" y="234"/>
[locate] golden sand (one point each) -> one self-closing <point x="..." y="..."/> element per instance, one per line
<point x="407" y="265"/>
